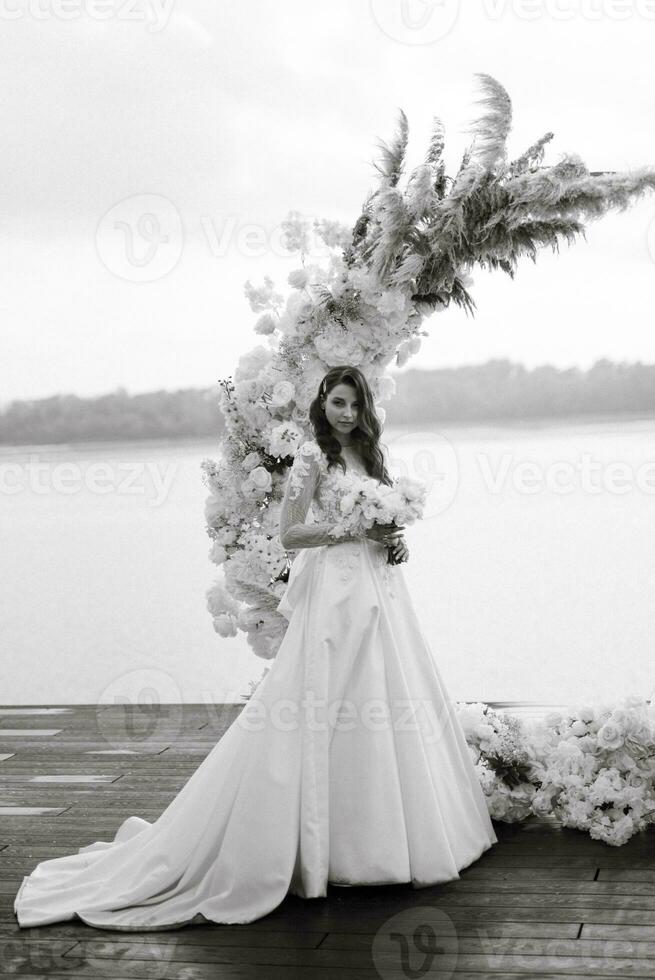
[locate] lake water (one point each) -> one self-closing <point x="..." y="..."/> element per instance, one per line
<point x="533" y="572"/>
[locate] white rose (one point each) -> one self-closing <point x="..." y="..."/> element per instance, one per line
<point x="621" y="718"/>
<point x="409" y="488"/>
<point x="283" y="392"/>
<point x="298" y="279"/>
<point x="310" y="448"/>
<point x="250" y="461"/>
<point x="610" y="736"/>
<point x="217" y="553"/>
<point x="403" y="354"/>
<point x="266" y="324"/>
<point x="225" y="625"/>
<point x="300" y="415"/>
<point x="213" y="507"/>
<point x="261" y="478"/>
<point x="542" y="803"/>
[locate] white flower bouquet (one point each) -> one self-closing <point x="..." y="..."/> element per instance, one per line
<point x="597" y="771"/>
<point x="370" y="502"/>
<point x="503" y="759"/>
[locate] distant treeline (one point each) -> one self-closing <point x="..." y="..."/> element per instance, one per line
<point x="496" y="390"/>
<point x="115" y="416"/>
<point x="501" y="389"/>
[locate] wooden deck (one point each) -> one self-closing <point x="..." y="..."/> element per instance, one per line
<point x="545" y="901"/>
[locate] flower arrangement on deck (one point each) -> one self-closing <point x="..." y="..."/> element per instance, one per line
<point x="591" y="767"/>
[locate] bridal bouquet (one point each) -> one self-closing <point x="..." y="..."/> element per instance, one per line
<point x="597" y="771"/>
<point x="504" y="760"/>
<point x="369" y="502"/>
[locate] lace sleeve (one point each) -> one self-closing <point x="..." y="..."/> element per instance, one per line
<point x="299" y="492"/>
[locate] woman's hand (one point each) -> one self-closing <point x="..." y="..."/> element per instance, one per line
<point x="400" y="550"/>
<point x="384" y="533"/>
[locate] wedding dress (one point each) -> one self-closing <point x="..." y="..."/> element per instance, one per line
<point x="299" y="792"/>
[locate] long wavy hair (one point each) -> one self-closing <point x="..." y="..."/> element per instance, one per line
<point x="366" y="433"/>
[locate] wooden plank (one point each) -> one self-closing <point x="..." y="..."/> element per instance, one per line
<point x="480" y="941"/>
<point x="287" y="972"/>
<point x="636" y="934"/>
<point x="627" y="874"/>
<point x="17" y="712"/>
<point x="585" y="872"/>
<point x="253" y="934"/>
<point x="19" y="811"/>
<point x="549" y="886"/>
<point x="335" y="916"/>
<point x="7" y="734"/>
<point x="531" y="957"/>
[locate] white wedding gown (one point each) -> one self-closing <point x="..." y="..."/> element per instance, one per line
<point x="297" y="794"/>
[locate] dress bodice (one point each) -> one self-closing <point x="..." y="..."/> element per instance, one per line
<point x="334" y="483"/>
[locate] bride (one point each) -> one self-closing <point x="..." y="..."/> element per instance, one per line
<point x="347" y="765"/>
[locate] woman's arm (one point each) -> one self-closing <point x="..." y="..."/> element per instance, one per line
<point x="299" y="492"/>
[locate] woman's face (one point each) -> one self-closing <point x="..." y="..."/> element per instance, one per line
<point x="342" y="410"/>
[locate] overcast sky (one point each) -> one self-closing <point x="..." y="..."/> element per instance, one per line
<point x="219" y="117"/>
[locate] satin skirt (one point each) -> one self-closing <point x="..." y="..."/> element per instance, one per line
<point x="346" y="766"/>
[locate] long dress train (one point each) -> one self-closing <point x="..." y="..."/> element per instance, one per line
<point x="347" y="765"/>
